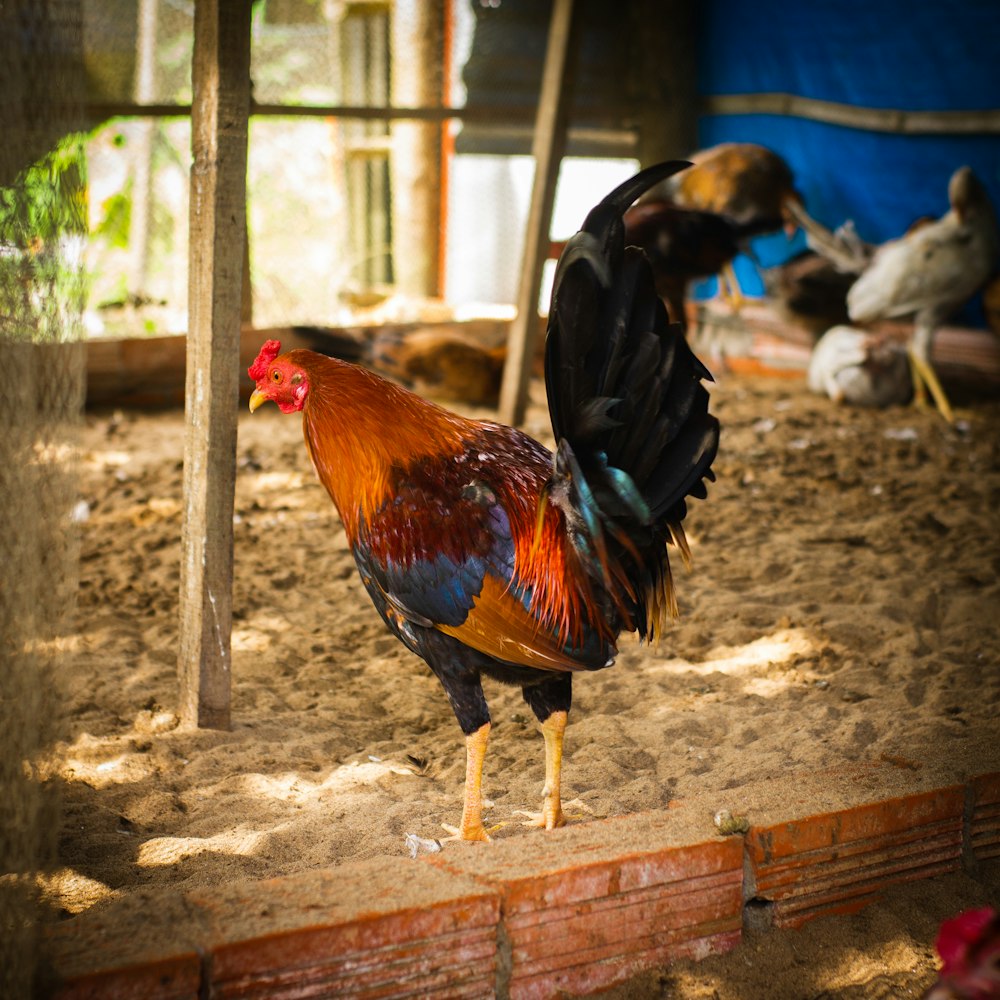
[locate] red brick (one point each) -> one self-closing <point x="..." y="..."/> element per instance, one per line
<point x="589" y="977"/>
<point x="590" y="905"/>
<point x="870" y="820"/>
<point x="677" y="907"/>
<point x="368" y="927"/>
<point x="984" y="824"/>
<point x="175" y="978"/>
<point x="371" y="926"/>
<point x="839" y="862"/>
<point x="144" y="945"/>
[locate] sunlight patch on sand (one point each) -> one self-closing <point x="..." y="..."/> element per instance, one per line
<point x="291" y="787"/>
<point x="105" y="459"/>
<point x="67" y="889"/>
<point x="250" y="640"/>
<point x="161" y="851"/>
<point x="123" y="769"/>
<point x="276" y="482"/>
<point x="767" y="651"/>
<point x="266" y="621"/>
<point x="288" y="787"/>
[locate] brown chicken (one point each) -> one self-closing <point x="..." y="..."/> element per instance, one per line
<point x="810" y="291"/>
<point x="441" y="364"/>
<point x="750" y="185"/>
<point x="682" y="245"/>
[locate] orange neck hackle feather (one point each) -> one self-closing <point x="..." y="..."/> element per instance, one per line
<point x="360" y="427"/>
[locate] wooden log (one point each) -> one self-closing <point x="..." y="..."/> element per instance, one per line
<point x="547" y="149"/>
<point x="759" y="340"/>
<point x="148" y="372"/>
<point x="221" y="75"/>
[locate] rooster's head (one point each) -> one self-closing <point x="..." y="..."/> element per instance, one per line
<point x="278" y="378"/>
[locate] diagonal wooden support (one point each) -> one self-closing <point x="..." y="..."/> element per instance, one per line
<point x="219" y="115"/>
<point x="548" y="145"/>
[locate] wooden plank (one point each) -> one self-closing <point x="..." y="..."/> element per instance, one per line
<point x="221" y="76"/>
<point x="547" y="149"/>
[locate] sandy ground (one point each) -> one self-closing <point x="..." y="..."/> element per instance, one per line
<point x="843" y="607"/>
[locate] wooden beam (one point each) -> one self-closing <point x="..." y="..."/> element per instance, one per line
<point x="608" y="117"/>
<point x="612" y="119"/>
<point x="221" y="79"/>
<point x="547" y="148"/>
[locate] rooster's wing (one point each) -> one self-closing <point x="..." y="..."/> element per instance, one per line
<point x="441" y="555"/>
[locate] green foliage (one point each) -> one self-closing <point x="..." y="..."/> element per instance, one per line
<point x="48" y="200"/>
<point x="43" y="223"/>
<point x="116" y="219"/>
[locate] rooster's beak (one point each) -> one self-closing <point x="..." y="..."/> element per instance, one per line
<point x="256" y="398"/>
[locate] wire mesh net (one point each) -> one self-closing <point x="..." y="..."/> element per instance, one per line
<point x="355" y="215"/>
<point x="42" y="226"/>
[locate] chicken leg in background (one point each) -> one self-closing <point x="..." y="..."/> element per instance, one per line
<point x="484" y="553"/>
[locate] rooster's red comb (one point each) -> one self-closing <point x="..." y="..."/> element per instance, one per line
<point x="270" y="350"/>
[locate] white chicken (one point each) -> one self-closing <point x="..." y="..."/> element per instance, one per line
<point x="860" y="368"/>
<point x="930" y="272"/>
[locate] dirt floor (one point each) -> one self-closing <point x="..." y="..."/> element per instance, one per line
<point x="843" y="607"/>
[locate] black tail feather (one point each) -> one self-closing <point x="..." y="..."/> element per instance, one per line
<point x="626" y="400"/>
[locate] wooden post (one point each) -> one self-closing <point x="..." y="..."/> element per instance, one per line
<point x="548" y="145"/>
<point x="415" y="158"/>
<point x="668" y="112"/>
<point x="219" y="114"/>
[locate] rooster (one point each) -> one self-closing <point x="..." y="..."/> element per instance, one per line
<point x="484" y="553"/>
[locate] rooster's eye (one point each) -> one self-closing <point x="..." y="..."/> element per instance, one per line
<point x="276" y="376"/>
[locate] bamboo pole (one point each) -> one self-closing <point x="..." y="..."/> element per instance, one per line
<point x="221" y="73"/>
<point x="892" y="120"/>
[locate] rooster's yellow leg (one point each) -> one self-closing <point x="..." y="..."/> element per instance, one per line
<point x="472" y="807"/>
<point x="551" y="815"/>
<point x="924" y="374"/>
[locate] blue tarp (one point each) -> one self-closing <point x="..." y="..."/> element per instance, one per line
<point x="912" y="55"/>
